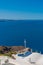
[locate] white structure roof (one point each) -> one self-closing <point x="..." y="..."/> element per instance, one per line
<point x="33" y="57"/>
<point x="40" y="61"/>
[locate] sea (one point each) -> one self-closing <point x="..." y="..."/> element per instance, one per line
<point x="13" y="33"/>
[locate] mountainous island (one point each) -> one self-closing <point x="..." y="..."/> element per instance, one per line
<point x="9" y="50"/>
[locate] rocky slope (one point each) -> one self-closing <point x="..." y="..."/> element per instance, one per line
<point x="7" y="49"/>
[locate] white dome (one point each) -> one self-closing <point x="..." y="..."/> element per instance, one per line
<point x="40" y="61"/>
<point x="33" y="57"/>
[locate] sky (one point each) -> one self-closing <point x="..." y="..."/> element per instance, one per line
<point x="21" y="9"/>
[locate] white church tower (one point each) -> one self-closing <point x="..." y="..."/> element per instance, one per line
<point x="25" y="43"/>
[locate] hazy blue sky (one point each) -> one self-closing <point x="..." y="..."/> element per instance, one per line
<point x="21" y="9"/>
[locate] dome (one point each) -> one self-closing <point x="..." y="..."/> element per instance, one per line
<point x="40" y="61"/>
<point x="33" y="57"/>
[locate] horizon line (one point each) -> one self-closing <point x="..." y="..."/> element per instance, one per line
<point x="21" y="19"/>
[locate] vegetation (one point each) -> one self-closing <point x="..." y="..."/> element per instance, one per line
<point x="10" y="49"/>
<point x="8" y="54"/>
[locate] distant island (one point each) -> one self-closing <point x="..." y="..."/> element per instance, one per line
<point x="9" y="50"/>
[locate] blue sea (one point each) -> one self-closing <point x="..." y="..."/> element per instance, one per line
<point x="13" y="32"/>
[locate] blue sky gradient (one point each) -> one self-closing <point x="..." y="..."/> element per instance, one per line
<point x="21" y="9"/>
